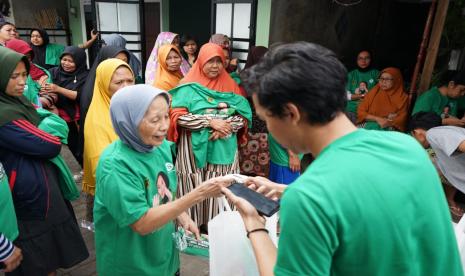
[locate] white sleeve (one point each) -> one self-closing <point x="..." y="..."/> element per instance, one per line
<point x="445" y="138"/>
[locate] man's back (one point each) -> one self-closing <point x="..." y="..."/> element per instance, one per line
<point x="370" y="204"/>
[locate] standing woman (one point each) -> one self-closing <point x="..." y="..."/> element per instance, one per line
<point x="49" y="236"/>
<point x="385" y="107"/>
<point x="152" y="63"/>
<point x="209" y="118"/>
<point x="46" y="54"/>
<point x="37" y="77"/>
<point x="168" y="71"/>
<point x="7" y="32"/>
<point x="189" y="49"/>
<point x="119" y="41"/>
<point x="112" y="75"/>
<point x="135" y="203"/>
<point x="68" y="80"/>
<point x="255" y="155"/>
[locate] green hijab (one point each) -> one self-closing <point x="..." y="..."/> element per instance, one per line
<point x="13" y="108"/>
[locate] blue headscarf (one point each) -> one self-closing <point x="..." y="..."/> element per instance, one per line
<point x="127" y="108"/>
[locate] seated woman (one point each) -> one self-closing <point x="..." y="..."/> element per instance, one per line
<point x="385" y="106"/>
<point x="209" y="119"/>
<point x="46" y="54"/>
<point x="168" y="70"/>
<point x="112" y="75"/>
<point x="152" y="63"/>
<point x="49" y="236"/>
<point x="68" y="80"/>
<point x="363" y="73"/>
<point x="135" y="201"/>
<point x="37" y="77"/>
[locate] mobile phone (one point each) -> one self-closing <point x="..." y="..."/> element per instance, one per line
<point x="265" y="206"/>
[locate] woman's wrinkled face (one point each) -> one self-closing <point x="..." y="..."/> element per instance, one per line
<point x="17" y="82"/>
<point x="7" y="32"/>
<point x="36" y="38"/>
<point x="173" y="61"/>
<point x="213" y="67"/>
<point x="386" y="81"/>
<point x="68" y="64"/>
<point x="190" y="47"/>
<point x="363" y="59"/>
<point x="122" y="56"/>
<point x="154" y="126"/>
<point x="122" y="77"/>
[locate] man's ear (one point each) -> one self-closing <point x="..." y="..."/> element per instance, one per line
<point x="293" y="113"/>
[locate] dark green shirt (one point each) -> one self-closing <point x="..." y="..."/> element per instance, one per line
<point x="433" y="101"/>
<point x="354" y="78"/>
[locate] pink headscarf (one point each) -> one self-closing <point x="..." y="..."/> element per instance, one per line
<point x="152" y="63"/>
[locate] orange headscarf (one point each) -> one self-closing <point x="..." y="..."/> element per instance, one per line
<point x="167" y="80"/>
<point x="381" y="103"/>
<point x="222" y="83"/>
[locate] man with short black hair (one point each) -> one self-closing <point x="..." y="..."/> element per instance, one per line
<point x="442" y="100"/>
<point x="370" y="204"/>
<point x="448" y="144"/>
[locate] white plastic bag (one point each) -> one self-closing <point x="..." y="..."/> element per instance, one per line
<point x="231" y="252"/>
<point x="460" y="235"/>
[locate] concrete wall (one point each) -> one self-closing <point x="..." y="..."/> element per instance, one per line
<point x="263" y="23"/>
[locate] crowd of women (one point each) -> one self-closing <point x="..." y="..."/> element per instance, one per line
<point x="141" y="146"/>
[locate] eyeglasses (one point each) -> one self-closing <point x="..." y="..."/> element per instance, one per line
<point x="364" y="58"/>
<point x="385" y="79"/>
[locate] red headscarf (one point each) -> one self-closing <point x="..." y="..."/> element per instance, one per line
<point x="22" y="47"/>
<point x="222" y="83"/>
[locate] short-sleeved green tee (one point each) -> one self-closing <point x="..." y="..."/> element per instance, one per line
<point x="9" y="225"/>
<point x="53" y="53"/>
<point x="129" y="183"/>
<point x="354" y="78"/>
<point x="370" y="204"/>
<point x="433" y="101"/>
<point x="278" y="154"/>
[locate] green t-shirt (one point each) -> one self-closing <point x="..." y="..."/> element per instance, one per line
<point x="354" y="78"/>
<point x="433" y="101"/>
<point x="370" y="204"/>
<point x="129" y="183"/>
<point x="53" y="53"/>
<point x="461" y="106"/>
<point x="9" y="225"/>
<point x="278" y="154"/>
<point x="216" y="105"/>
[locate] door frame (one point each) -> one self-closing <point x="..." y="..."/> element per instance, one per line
<point x="252" y="27"/>
<point x="141" y="33"/>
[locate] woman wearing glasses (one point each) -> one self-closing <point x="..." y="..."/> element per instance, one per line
<point x="385" y="106"/>
<point x="359" y="82"/>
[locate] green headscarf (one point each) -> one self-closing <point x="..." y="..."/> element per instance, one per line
<point x="13" y="108"/>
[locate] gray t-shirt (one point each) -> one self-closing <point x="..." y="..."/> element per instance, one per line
<point x="444" y="141"/>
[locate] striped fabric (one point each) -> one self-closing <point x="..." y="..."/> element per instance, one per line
<point x="189" y="176"/>
<point x="6" y="248"/>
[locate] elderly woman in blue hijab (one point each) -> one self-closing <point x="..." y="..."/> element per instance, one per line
<point x="119" y="41"/>
<point x="135" y="202"/>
